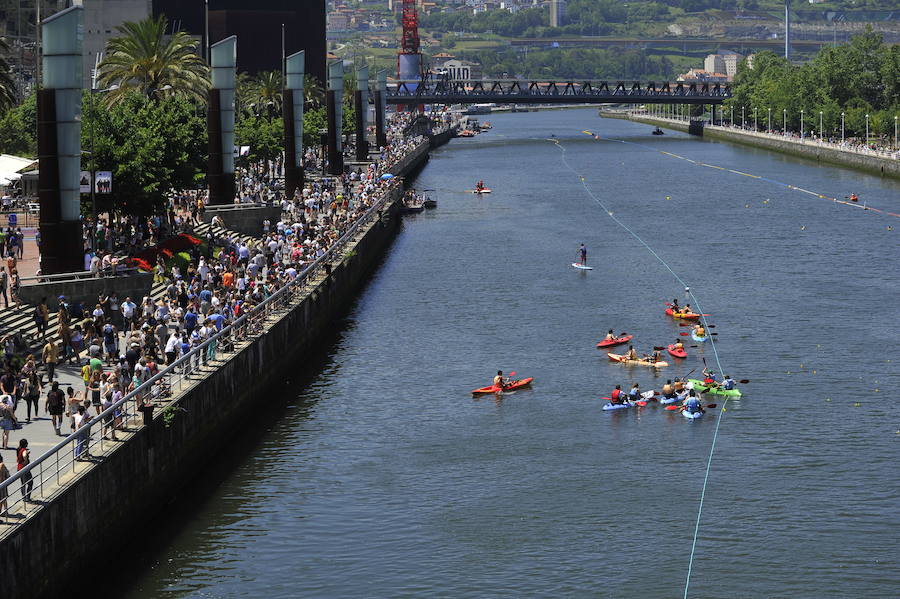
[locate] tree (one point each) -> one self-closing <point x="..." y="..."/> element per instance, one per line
<point x="8" y="97"/>
<point x="18" y="129"/>
<point x="151" y="146"/>
<point x="268" y="87"/>
<point x="146" y="60"/>
<point x="313" y="92"/>
<point x="264" y="135"/>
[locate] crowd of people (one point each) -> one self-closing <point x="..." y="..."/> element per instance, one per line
<point x="119" y="343"/>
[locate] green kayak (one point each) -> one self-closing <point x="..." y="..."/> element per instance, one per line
<point x="699" y="386"/>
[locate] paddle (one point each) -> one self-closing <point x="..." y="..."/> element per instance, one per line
<point x="706" y="407"/>
<point x="744" y="381"/>
<point x="683" y="334"/>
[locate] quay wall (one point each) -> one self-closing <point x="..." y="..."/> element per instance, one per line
<point x="93" y="514"/>
<point x="886" y="167"/>
<point x="85" y="290"/>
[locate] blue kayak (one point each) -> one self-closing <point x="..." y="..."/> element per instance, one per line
<point x="666" y="401"/>
<point x="691" y="415"/>
<point x="616" y="406"/>
<point x="696" y="338"/>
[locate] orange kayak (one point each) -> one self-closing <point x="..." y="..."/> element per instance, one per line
<point x="512" y="386"/>
<point x="685" y="316"/>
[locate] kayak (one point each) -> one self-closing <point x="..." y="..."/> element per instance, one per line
<point x="616" y="406"/>
<point x="624" y="360"/>
<point x="691" y="415"/>
<point x="698" y="339"/>
<point x="699" y="386"/>
<point x="512" y="386"/>
<point x="685" y="316"/>
<point x="678" y="353"/>
<point x="479" y="191"/>
<point x="581" y="266"/>
<point x="667" y="400"/>
<point x="616" y="341"/>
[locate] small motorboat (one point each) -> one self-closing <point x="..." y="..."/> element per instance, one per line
<point x="429" y="203"/>
<point x="658" y="131"/>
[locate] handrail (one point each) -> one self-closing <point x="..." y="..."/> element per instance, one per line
<point x="195" y="354"/>
<point x="81" y="274"/>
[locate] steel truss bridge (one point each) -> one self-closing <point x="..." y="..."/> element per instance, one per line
<point x="513" y="91"/>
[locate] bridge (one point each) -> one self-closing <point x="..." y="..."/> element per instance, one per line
<point x="513" y="91"/>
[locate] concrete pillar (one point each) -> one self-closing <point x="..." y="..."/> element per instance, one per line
<point x="361" y="104"/>
<point x="220" y="121"/>
<point x="380" y="109"/>
<point x="59" y="143"/>
<point x="292" y="114"/>
<point x="334" y="108"/>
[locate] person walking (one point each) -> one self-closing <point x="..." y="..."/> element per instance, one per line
<point x="50" y="356"/>
<point x="4" y="285"/>
<point x="7" y="417"/>
<point x="55" y="404"/>
<point x="31" y="392"/>
<point x="41" y="316"/>
<point x="4" y="494"/>
<point x="23" y="458"/>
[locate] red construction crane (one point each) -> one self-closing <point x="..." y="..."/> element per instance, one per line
<point x="409" y="59"/>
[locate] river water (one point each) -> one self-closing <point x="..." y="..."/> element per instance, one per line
<point x="384" y="478"/>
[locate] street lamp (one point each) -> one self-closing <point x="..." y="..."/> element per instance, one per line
<point x="867" y="130"/>
<point x="784" y="128"/>
<point x="755" y="128"/>
<point x="801" y="124"/>
<point x="842" y="128"/>
<point x="895" y="131"/>
<point x="769" y="128"/>
<point x="820" y="124"/>
<point x="732" y="117"/>
<point x="743" y="122"/>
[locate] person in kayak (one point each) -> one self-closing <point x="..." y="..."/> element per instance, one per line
<point x="479" y="186"/>
<point x="635" y="393"/>
<point x="692" y="404"/>
<point x="675" y="307"/>
<point x="582" y="251"/>
<point x="709" y="378"/>
<point x="667" y="390"/>
<point x="500" y="381"/>
<point x="728" y="383"/>
<point x="631" y="354"/>
<point x="653" y="357"/>
<point x="678" y="345"/>
<point x="699" y="330"/>
<point x="617" y="395"/>
<point x="678" y="385"/>
<point x="610" y="336"/>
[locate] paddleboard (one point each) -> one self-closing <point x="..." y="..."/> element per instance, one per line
<point x="581" y="266"/>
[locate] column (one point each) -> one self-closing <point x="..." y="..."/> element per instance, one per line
<point x="380" y="109"/>
<point x="292" y="113"/>
<point x="59" y="143"/>
<point x="334" y="108"/>
<point x="220" y="121"/>
<point x="361" y="104"/>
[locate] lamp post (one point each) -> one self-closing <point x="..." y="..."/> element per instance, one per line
<point x="801" y="124"/>
<point x="743" y="122"/>
<point x="842" y="128"/>
<point x="769" y="128"/>
<point x="867" y="130"/>
<point x="755" y="128"/>
<point x="784" y="127"/>
<point x="820" y="124"/>
<point x="895" y="131"/>
<point x="732" y="117"/>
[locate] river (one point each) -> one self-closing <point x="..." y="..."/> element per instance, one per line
<point x="382" y="477"/>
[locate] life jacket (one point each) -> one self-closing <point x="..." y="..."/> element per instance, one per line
<point x="616" y="394"/>
<point x="692" y="405"/>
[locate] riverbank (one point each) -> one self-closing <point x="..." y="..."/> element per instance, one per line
<point x="81" y="510"/>
<point x="880" y="165"/>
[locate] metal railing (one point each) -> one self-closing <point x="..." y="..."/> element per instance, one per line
<point x="75" y="453"/>
<point x="119" y="271"/>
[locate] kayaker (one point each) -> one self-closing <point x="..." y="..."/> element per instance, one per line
<point x="635" y="392"/>
<point x="692" y="404"/>
<point x="728" y="383"/>
<point x="678" y="385"/>
<point x="709" y="378"/>
<point x="699" y="331"/>
<point x="675" y="307"/>
<point x="653" y="357"/>
<point x="678" y="345"/>
<point x="667" y="390"/>
<point x="686" y="310"/>
<point x="499" y="381"/>
<point x="582" y="251"/>
<point x="610" y="336"/>
<point x="617" y="395"/>
<point x="631" y="354"/>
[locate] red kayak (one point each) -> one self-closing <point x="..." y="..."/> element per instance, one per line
<point x="512" y="386"/>
<point x="678" y="353"/>
<point x="616" y="341"/>
<point x="686" y="316"/>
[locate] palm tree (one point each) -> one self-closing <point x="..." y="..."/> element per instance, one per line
<point x="314" y="93"/>
<point x="267" y="93"/>
<point x="8" y="92"/>
<point x="146" y="60"/>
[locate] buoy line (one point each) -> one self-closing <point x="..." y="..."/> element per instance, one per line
<point x="816" y="194"/>
<point x="712" y="345"/>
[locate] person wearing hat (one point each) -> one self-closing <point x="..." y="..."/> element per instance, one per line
<point x="709" y="378"/>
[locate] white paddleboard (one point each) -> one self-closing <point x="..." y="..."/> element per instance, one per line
<point x="581" y="266"/>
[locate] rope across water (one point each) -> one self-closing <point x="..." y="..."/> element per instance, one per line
<point x="712" y="344"/>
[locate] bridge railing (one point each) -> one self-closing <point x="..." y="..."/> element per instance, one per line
<point x="90" y="443"/>
<point x="500" y="88"/>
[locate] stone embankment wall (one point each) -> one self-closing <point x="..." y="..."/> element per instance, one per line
<point x="85" y="291"/>
<point x="92" y="515"/>
<point x="874" y="164"/>
<point x="243" y="218"/>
